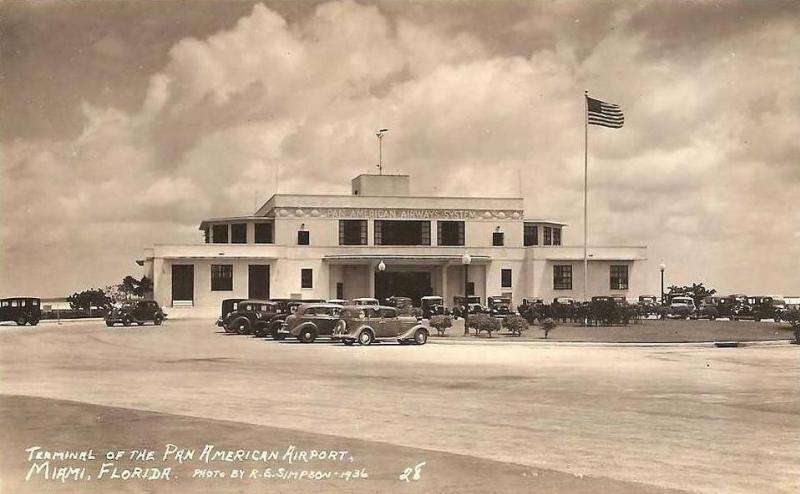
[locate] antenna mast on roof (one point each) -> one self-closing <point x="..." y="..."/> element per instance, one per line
<point x="380" y="133"/>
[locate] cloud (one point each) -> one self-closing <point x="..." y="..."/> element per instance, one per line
<point x="707" y="160"/>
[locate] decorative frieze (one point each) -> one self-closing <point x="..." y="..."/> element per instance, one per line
<point x="400" y="213"/>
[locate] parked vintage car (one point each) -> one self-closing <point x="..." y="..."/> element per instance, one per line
<point x="500" y="306"/>
<point x="138" y="312"/>
<point x="681" y="307"/>
<point x="473" y="302"/>
<point x="310" y="321"/>
<point x="21" y="310"/>
<point x="366" y="324"/>
<point x="286" y="307"/>
<point x="724" y="305"/>
<point x="755" y="308"/>
<point x="432" y="305"/>
<point x="648" y="305"/>
<point x="706" y="310"/>
<point x="365" y="301"/>
<point x="400" y="302"/>
<point x="228" y="305"/>
<point x="251" y="316"/>
<point x="337" y="301"/>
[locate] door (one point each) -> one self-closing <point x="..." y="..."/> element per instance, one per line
<point x="258" y="281"/>
<point x="388" y="323"/>
<point x="182" y="283"/>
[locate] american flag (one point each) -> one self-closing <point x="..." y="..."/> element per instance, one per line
<point x="604" y="114"/>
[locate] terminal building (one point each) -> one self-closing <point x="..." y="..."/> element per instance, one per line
<point x="381" y="241"/>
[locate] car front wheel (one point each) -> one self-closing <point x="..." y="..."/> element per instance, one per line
<point x="307" y="336"/>
<point x="109" y="324"/>
<point x="127" y="321"/>
<point x="242" y="327"/>
<point x="21" y="320"/>
<point x="157" y="321"/>
<point x="365" y="338"/>
<point x="421" y="337"/>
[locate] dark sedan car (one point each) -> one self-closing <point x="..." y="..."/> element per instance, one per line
<point x="21" y="310"/>
<point x="139" y="312"/>
<point x="310" y="321"/>
<point x="228" y="305"/>
<point x="251" y="316"/>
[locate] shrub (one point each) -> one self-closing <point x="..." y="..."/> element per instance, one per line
<point x="793" y="318"/>
<point x="548" y="325"/>
<point x="516" y="324"/>
<point x="441" y="323"/>
<point x="483" y="322"/>
<point x="416" y="312"/>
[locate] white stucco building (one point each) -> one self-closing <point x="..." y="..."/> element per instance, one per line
<point x="330" y="246"/>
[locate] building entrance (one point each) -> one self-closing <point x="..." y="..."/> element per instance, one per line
<point x="412" y="284"/>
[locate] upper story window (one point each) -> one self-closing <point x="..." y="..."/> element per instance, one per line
<point x="548" y="235"/>
<point x="450" y="232"/>
<point x="263" y="233"/>
<point x="239" y="233"/>
<point x="352" y="232"/>
<point x="221" y="277"/>
<point x="556" y="236"/>
<point x="303" y="237"/>
<point x="498" y="239"/>
<point x="619" y="277"/>
<point x="402" y="232"/>
<point x="530" y="234"/>
<point x="219" y="234"/>
<point x="562" y="277"/>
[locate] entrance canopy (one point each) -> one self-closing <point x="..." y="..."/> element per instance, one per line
<point x="409" y="259"/>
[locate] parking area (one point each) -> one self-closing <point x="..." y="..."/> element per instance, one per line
<point x="621" y="419"/>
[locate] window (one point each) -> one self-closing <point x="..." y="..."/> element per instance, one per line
<point x="400" y="232"/>
<point x="619" y="277"/>
<point x="220" y="234"/>
<point x="530" y="234"/>
<point x="548" y="235"/>
<point x="303" y="237"/>
<point x="352" y="232"/>
<point x="13" y="303"/>
<point x="4" y="303"/>
<point x="497" y="239"/>
<point x="263" y="233"/>
<point x="470" y="288"/>
<point x="221" y="277"/>
<point x="505" y="278"/>
<point x="339" y="290"/>
<point x="556" y="236"/>
<point x="306" y="278"/>
<point x="239" y="233"/>
<point x="562" y="277"/>
<point x="450" y="232"/>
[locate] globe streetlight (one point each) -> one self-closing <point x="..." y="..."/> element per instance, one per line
<point x="466" y="259"/>
<point x="381" y="269"/>
<point x="662" y="267"/>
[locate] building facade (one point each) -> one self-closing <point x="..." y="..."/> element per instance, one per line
<point x="382" y="241"/>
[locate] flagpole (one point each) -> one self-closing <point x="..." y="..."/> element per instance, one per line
<point x="585" y="189"/>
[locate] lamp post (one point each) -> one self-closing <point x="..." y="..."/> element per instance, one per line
<point x="381" y="269"/>
<point x="466" y="259"/>
<point x="380" y="133"/>
<point x="662" y="267"/>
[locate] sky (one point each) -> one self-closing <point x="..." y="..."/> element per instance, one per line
<point x="126" y="123"/>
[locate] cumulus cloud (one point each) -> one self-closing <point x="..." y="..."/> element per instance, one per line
<point x="704" y="171"/>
